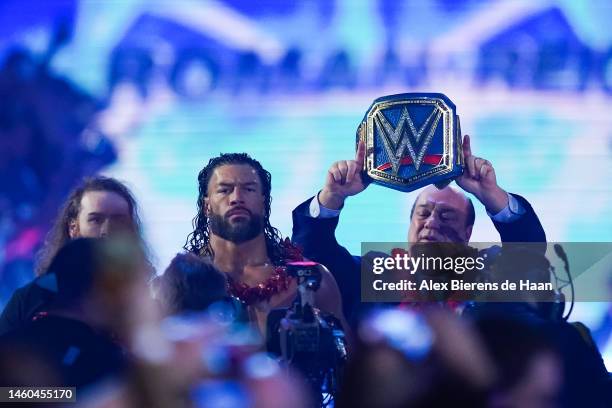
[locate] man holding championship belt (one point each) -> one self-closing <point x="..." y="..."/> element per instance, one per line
<point x="405" y="142"/>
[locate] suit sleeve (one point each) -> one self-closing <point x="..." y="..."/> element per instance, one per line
<point x="526" y="229"/>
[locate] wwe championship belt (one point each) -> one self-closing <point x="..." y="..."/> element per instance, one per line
<point x="412" y="140"/>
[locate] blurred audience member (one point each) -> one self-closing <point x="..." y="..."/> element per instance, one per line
<point x="536" y="320"/>
<point x="190" y="284"/>
<point x="406" y="360"/>
<point x="537" y="354"/>
<point x="99" y="207"/>
<point x="69" y="337"/>
<point x="530" y="368"/>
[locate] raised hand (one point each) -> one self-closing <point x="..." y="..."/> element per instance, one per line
<point x="343" y="179"/>
<point x="479" y="179"/>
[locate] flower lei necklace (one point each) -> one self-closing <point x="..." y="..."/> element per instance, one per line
<point x="278" y="282"/>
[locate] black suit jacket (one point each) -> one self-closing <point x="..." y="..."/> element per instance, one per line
<point x="316" y="237"/>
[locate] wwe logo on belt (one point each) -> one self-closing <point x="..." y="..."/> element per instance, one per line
<point x="404" y="136"/>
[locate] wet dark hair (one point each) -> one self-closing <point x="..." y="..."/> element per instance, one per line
<point x="59" y="235"/>
<point x="75" y="266"/>
<point x="190" y="283"/>
<point x="94" y="265"/>
<point x="198" y="242"/>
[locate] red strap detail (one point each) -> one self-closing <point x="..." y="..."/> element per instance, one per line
<point x="433" y="159"/>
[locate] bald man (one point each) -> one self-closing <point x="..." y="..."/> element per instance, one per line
<point x="445" y="215"/>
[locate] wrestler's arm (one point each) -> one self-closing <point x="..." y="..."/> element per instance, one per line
<point x="328" y="299"/>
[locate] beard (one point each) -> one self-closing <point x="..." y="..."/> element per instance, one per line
<point x="237" y="232"/>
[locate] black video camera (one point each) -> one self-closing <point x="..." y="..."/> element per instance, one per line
<point x="306" y="338"/>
